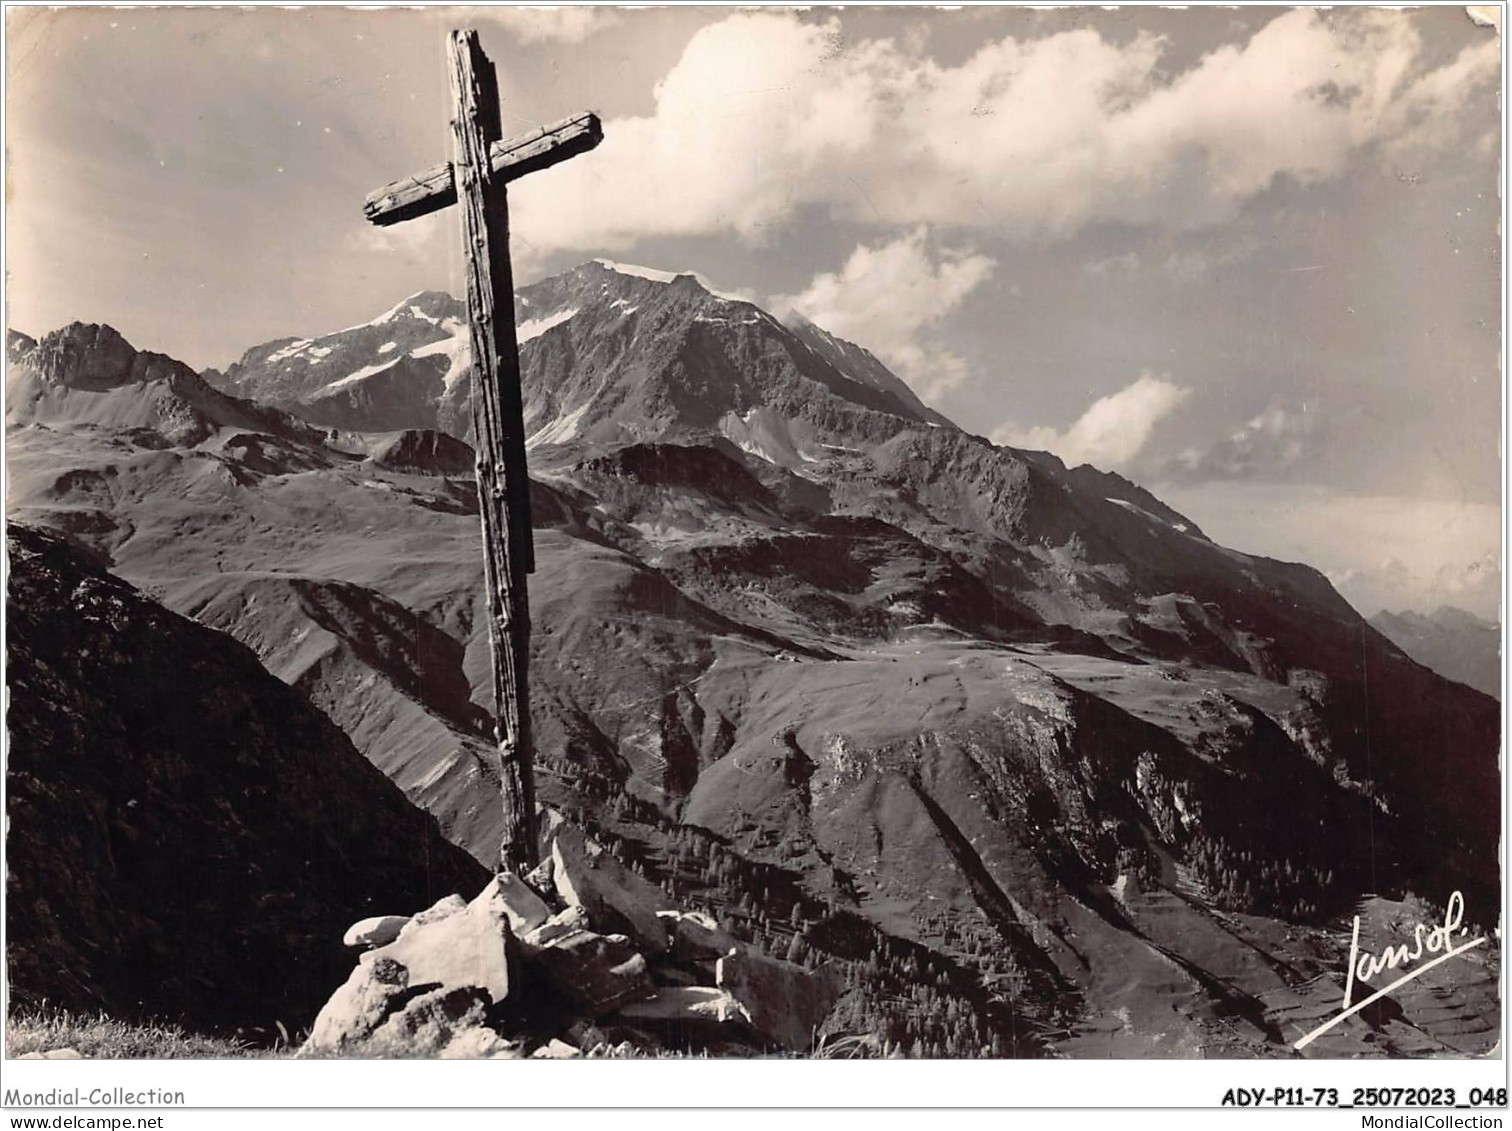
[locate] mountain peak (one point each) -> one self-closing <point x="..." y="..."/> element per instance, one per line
<point x="89" y="355"/>
<point x="1454" y="617"/>
<point x="689" y="281"/>
<point x="795" y="319"/>
<point x="88" y="335"/>
<point x="859" y="364"/>
<point x="638" y="272"/>
<point x="18" y="345"/>
<point x="612" y="334"/>
<point x="427" y="306"/>
<point x="1445" y="617"/>
<point x="1451" y="641"/>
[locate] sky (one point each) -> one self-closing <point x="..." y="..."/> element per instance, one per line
<point x="1248" y="257"/>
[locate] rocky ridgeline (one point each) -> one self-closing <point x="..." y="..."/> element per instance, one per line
<point x="582" y="956"/>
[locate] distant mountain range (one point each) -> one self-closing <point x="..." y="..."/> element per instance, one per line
<point x="1456" y="644"/>
<point x="1119" y="783"/>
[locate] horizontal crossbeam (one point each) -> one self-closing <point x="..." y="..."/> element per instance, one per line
<point x="512" y="158"/>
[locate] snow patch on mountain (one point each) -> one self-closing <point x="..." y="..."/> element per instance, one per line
<point x="457" y="349"/>
<point x="288" y="351"/>
<point x="1134" y="508"/>
<point x="560" y="430"/>
<point x="746" y="321"/>
<point x="534" y="327"/>
<point x="361" y="375"/>
<point x="767" y="435"/>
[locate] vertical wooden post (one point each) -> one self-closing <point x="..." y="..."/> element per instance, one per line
<point x="498" y="430"/>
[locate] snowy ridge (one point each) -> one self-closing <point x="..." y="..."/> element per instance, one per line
<point x="406" y="307"/>
<point x="638" y="272"/>
<point x="361" y="375"/>
<point x="657" y="276"/>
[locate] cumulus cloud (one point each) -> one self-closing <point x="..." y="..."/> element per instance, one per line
<point x="766" y="113"/>
<point x="1417" y="120"/>
<point x="554" y="25"/>
<point x="1269" y="444"/>
<point x="412" y="240"/>
<point x="1112" y="265"/>
<point x="890" y="297"/>
<point x="1111" y="432"/>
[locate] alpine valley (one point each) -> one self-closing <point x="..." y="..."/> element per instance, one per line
<point x="1041" y="767"/>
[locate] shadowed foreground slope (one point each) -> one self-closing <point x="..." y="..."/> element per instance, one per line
<point x="188" y="836"/>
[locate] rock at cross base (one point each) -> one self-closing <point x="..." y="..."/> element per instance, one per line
<point x="482" y="1043"/>
<point x="377" y="931"/>
<point x="443" y="907"/>
<point x="587" y="875"/>
<point x="664" y="973"/>
<point x="684" y="1004"/>
<point x="584" y="1035"/>
<point x="598" y="972"/>
<point x="555" y="1050"/>
<point x="522" y="906"/>
<point x="784" y="1002"/>
<point x="549" y="822"/>
<point x="430" y="1023"/>
<point x="456" y="944"/>
<point x="358" y="1006"/>
<point x="563" y="923"/>
<point x="696" y="937"/>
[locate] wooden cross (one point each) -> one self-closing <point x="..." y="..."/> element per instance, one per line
<point x="482" y="164"/>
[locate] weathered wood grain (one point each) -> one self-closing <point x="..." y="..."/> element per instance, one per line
<point x="435" y="188"/>
<point x="498" y="429"/>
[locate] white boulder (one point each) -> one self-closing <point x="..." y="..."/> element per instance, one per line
<point x="524" y="909"/>
<point x="358" y="1006"/>
<point x="555" y="1050"/>
<point x="456" y="944"/>
<point x="377" y="931"/>
<point x="563" y="923"/>
<point x="429" y="1024"/>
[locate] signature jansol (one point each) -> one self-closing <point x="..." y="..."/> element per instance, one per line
<point x="1438" y="939"/>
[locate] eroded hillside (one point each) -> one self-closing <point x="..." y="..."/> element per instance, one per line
<point x="1121" y="781"/>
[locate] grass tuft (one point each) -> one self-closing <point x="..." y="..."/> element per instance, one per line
<point x="853" y="1047"/>
<point x="96" y="1035"/>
